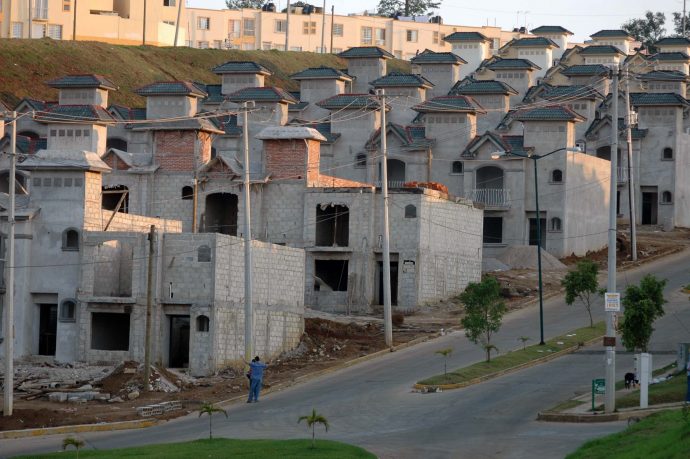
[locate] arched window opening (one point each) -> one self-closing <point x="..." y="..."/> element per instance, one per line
<point x="187" y="193"/>
<point x="666" y="197"/>
<point x="70" y="239"/>
<point x="361" y="160"/>
<point x="202" y="323"/>
<point x="68" y="311"/>
<point x="410" y="211"/>
<point x="557" y="176"/>
<point x="457" y="167"/>
<point x="668" y="153"/>
<point x="116" y="143"/>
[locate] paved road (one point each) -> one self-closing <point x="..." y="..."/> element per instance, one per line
<point x="372" y="405"/>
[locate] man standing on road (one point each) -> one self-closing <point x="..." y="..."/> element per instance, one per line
<point x="256" y="369"/>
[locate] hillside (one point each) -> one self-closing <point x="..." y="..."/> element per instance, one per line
<point x="27" y="64"/>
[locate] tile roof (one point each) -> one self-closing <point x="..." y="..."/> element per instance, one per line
<point x="477" y="87"/>
<point x="465" y="36"/>
<point x="551" y="113"/>
<point x="227" y="124"/>
<point x="518" y="64"/>
<point x="600" y="49"/>
<point x="534" y="42"/>
<point x="365" y="51"/>
<point x="323" y="128"/>
<point x="399" y="79"/>
<point x="35" y="104"/>
<point x="430" y="57"/>
<point x="664" y="75"/>
<point x="171" y="88"/>
<point x="28" y="145"/>
<point x="350" y="101"/>
<point x="449" y="104"/>
<point x="665" y="98"/>
<point x="298" y="107"/>
<point x="189" y="124"/>
<point x="507" y="143"/>
<point x="413" y="138"/>
<point x="241" y="67"/>
<point x="585" y="70"/>
<point x="64" y="160"/>
<point x="670" y="41"/>
<point x="82" y="81"/>
<point x="126" y="113"/>
<point x="573" y="92"/>
<point x="262" y="94"/>
<point x="75" y="113"/>
<point x="598" y="123"/>
<point x="320" y="73"/>
<point x="676" y="56"/>
<point x="551" y="30"/>
<point x="608" y="33"/>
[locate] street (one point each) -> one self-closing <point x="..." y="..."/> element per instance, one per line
<point x="372" y="405"/>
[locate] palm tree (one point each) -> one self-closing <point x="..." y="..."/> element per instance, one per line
<point x="489" y="348"/>
<point x="71" y="441"/>
<point x="312" y="420"/>
<point x="208" y="408"/>
<point x="445" y="353"/>
<point x="524" y="339"/>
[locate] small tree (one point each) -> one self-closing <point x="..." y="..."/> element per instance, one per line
<point x="524" y="339"/>
<point x="581" y="284"/>
<point x="237" y="4"/>
<point x="71" y="441"/>
<point x="313" y="419"/>
<point x="643" y="305"/>
<point x="409" y="7"/>
<point x="208" y="408"/>
<point x="484" y="311"/>
<point x="445" y="353"/>
<point x="647" y="30"/>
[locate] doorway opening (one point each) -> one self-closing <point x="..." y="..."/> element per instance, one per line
<point x="221" y="213"/>
<point x="533" y="231"/>
<point x="179" y="342"/>
<point x="650" y="205"/>
<point x="47" y="329"/>
<point x="394" y="282"/>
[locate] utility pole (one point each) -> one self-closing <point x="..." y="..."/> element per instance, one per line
<point x="332" y="22"/>
<point x="287" y="28"/>
<point x="387" y="313"/>
<point x="323" y="27"/>
<point x="177" y="23"/>
<point x="407" y="7"/>
<point x="9" y="292"/>
<point x="610" y="338"/>
<point x="631" y="178"/>
<point x="684" y="20"/>
<point x="248" y="307"/>
<point x="149" y="307"/>
<point x="143" y="34"/>
<point x="74" y="22"/>
<point x="31" y="19"/>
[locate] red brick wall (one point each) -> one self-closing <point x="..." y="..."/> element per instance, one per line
<point x="175" y="150"/>
<point x="204" y="148"/>
<point x="114" y="162"/>
<point x="292" y="159"/>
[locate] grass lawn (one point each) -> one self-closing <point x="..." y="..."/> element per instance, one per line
<point x="222" y="447"/>
<point x="518" y="357"/>
<point x="661" y="435"/>
<point x="671" y="390"/>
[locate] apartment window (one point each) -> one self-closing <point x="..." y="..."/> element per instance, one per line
<point x="668" y="153"/>
<point x="280" y="26"/>
<point x="555" y="224"/>
<point x="202" y="44"/>
<point x="266" y="45"/>
<point x="218" y="44"/>
<point x="412" y="36"/>
<point x="234" y="27"/>
<point x="366" y="35"/>
<point x="70" y="240"/>
<point x="248" y="26"/>
<point x="337" y="30"/>
<point x="40" y="9"/>
<point x="203" y="23"/>
<point x="68" y="311"/>
<point x="55" y="31"/>
<point x="296" y="48"/>
<point x="493" y="230"/>
<point x="380" y="36"/>
<point x="666" y="197"/>
<point x="435" y="38"/>
<point x="67" y="5"/>
<point x="309" y="27"/>
<point x="279" y="47"/>
<point x="169" y="2"/>
<point x="337" y="50"/>
<point x="17" y="30"/>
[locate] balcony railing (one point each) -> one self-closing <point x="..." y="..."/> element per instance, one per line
<point x="391" y="183"/>
<point x="491" y="197"/>
<point x="622" y="175"/>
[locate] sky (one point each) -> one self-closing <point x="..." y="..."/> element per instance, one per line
<point x="582" y="17"/>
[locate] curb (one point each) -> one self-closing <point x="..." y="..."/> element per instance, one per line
<point x="522" y="366"/>
<point x="551" y="416"/>
<point x="106" y="426"/>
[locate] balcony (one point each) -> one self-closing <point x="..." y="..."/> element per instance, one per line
<point x="622" y="175"/>
<point x="391" y="184"/>
<point x="498" y="198"/>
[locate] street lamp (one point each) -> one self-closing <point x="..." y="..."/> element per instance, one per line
<point x="535" y="158"/>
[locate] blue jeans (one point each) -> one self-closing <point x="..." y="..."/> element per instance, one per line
<point x="254" y="388"/>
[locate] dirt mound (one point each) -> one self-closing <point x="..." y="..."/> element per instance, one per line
<point x="525" y="257"/>
<point x="321" y="328"/>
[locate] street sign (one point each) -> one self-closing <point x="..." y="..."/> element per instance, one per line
<point x="612" y="302"/>
<point x="598" y="388"/>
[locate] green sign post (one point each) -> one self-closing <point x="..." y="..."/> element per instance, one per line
<point x="598" y="388"/>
